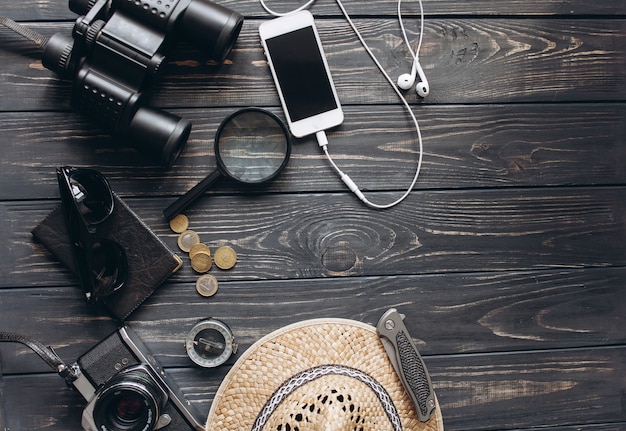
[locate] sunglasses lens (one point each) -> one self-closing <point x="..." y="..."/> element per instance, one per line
<point x="88" y="201"/>
<point x="92" y="195"/>
<point x="108" y="267"/>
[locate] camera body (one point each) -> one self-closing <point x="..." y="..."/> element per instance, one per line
<point x="117" y="49"/>
<point x="126" y="389"/>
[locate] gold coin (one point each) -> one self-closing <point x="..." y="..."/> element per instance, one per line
<point x="201" y="262"/>
<point x="180" y="223"/>
<point x="199" y="248"/>
<point x="188" y="239"/>
<point x="206" y="285"/>
<point x="225" y="257"/>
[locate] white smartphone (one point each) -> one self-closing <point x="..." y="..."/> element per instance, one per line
<point x="296" y="58"/>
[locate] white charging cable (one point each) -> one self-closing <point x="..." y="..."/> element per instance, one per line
<point x="321" y="136"/>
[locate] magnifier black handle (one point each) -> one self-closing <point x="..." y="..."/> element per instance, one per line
<point x="187" y="199"/>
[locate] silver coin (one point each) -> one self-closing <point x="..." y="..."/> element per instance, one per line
<point x="188" y="239"/>
<point x="206" y="285"/>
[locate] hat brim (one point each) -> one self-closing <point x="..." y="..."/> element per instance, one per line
<point x="295" y="350"/>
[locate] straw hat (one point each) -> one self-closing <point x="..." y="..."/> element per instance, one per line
<point x="322" y="374"/>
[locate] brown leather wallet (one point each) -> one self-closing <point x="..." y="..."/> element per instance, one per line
<point x="150" y="260"/>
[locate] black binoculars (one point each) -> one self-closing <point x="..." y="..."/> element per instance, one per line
<point x="116" y="50"/>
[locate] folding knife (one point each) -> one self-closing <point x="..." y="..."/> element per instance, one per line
<point x="407" y="362"/>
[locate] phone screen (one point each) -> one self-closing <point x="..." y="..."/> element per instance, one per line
<point x="299" y="67"/>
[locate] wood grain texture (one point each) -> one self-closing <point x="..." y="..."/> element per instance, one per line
<point x="484" y="312"/>
<point x="508" y="258"/>
<point x="303" y="236"/>
<point x="536" y="312"/>
<point x="496" y="146"/>
<point x="466" y="384"/>
<point x="468" y="61"/>
<point x="58" y="10"/>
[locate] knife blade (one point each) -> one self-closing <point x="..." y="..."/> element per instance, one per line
<point x="407" y="362"/>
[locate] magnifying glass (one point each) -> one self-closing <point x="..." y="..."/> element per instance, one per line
<point x="252" y="146"/>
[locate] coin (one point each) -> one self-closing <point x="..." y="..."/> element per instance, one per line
<point x="180" y="223"/>
<point x="225" y="257"/>
<point x="199" y="248"/>
<point x="201" y="262"/>
<point x="206" y="285"/>
<point x="188" y="239"/>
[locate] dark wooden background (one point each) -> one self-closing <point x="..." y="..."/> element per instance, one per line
<point x="509" y="257"/>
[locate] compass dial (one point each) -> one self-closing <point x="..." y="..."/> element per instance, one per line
<point x="210" y="343"/>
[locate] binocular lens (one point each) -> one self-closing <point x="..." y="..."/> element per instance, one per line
<point x="210" y="25"/>
<point x="159" y="133"/>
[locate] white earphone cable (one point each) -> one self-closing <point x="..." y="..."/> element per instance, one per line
<point x="404" y="34"/>
<point x="272" y="12"/>
<point x="321" y="136"/>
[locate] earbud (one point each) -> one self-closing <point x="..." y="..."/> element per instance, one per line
<point x="406" y="80"/>
<point x="422" y="87"/>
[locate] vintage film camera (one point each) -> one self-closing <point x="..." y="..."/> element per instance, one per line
<point x="126" y="389"/>
<point x="117" y="48"/>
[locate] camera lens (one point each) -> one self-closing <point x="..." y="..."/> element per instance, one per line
<point x="130" y="401"/>
<point x="128" y="408"/>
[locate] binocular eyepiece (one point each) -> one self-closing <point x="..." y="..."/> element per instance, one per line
<point x="115" y="52"/>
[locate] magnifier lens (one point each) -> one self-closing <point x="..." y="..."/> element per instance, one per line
<point x="252" y="146"/>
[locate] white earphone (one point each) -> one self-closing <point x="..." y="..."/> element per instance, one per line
<point x="406" y="80"/>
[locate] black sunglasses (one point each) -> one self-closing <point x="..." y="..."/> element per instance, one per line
<point x="88" y="202"/>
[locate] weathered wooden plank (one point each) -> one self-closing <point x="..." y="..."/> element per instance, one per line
<point x="476" y="392"/>
<point x="508" y="259"/>
<point x="465" y="147"/>
<point x="58" y="9"/>
<point x="467" y="61"/>
<point x="447" y="314"/>
<point x="572" y="385"/>
<point x="326" y="235"/>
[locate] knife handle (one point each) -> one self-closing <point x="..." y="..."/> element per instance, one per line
<point x="410" y="366"/>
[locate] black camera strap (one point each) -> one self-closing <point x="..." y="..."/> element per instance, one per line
<point x="46" y="353"/>
<point x="24" y="31"/>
